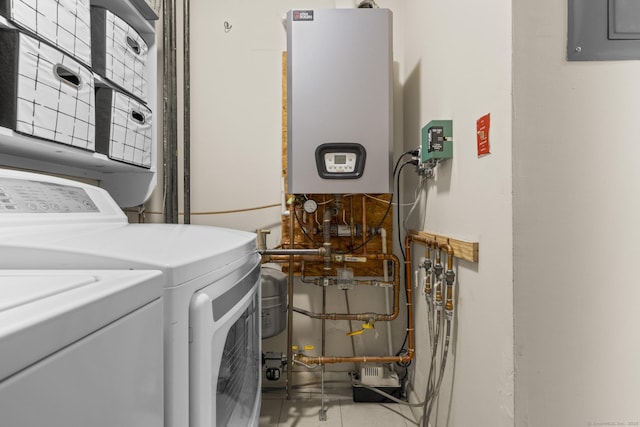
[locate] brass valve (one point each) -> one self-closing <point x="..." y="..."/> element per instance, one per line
<point x="427" y="285"/>
<point x="449" y="304"/>
<point x="449" y="278"/>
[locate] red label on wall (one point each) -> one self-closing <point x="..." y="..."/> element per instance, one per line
<point x="482" y="132"/>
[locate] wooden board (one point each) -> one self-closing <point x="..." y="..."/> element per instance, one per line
<point x="461" y="249"/>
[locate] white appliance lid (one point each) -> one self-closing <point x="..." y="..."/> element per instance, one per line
<point x="21" y="290"/>
<point x="44" y="311"/>
<point x="181" y="252"/>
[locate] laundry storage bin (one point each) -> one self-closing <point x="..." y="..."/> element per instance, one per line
<point x="123" y="127"/>
<point x="119" y="53"/>
<point x="64" y="23"/>
<point x="45" y="93"/>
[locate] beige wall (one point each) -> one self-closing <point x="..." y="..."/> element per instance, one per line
<point x="457" y="65"/>
<point x="576" y="181"/>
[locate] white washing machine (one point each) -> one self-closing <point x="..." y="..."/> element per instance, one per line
<point x="211" y="279"/>
<point x="81" y="348"/>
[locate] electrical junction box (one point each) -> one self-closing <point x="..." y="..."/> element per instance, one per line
<point x="339" y="101"/>
<point x="437" y="140"/>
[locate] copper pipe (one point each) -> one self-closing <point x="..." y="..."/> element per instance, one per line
<point x="432" y="244"/>
<point x="290" y="305"/>
<point x="289" y="252"/>
<point x="449" y="296"/>
<point x="320" y="258"/>
<point x="324" y="322"/>
<point x="310" y="226"/>
<point x="409" y="290"/>
<point x="352" y="227"/>
<point x="326" y="231"/>
<point x="296" y="258"/>
<point x="323" y="360"/>
<point x="421" y="239"/>
<point x="320" y="281"/>
<point x="366" y="316"/>
<point x="449" y="249"/>
<point x="353" y="341"/>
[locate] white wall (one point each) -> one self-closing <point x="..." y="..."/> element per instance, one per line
<point x="457" y="65"/>
<point x="576" y="181"/>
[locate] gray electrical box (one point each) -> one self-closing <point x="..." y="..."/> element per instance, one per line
<point x="339" y="101"/>
<point x="602" y="30"/>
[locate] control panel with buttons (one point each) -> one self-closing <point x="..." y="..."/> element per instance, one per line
<point x="43" y="197"/>
<point x="344" y="160"/>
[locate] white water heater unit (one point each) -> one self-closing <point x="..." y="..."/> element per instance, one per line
<point x="340" y="101"/>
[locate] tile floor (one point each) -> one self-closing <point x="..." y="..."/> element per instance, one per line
<point x="303" y="408"/>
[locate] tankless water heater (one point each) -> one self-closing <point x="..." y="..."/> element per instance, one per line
<point x="339" y="101"/>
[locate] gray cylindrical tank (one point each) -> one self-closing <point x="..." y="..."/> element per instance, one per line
<point x="274" y="301"/>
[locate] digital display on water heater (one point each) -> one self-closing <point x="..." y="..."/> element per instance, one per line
<point x="340" y="163"/>
<point x="340" y="160"/>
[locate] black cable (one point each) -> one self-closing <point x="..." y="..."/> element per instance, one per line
<point x="399" y="171"/>
<point x="384" y="217"/>
<point x="406" y="153"/>
<point x="410" y="162"/>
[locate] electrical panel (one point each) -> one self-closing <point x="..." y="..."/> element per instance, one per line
<point x="339" y="101"/>
<point x="603" y="30"/>
<point x="437" y="140"/>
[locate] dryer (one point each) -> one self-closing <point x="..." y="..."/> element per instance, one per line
<point x="81" y="348"/>
<point x="48" y="222"/>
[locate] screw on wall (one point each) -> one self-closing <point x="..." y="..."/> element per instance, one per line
<point x="227" y="26"/>
<point x="578" y="49"/>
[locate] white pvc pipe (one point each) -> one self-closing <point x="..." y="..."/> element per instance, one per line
<point x="283" y="199"/>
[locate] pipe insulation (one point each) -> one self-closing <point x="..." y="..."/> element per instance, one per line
<point x="169" y="113"/>
<point x="186" y="142"/>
